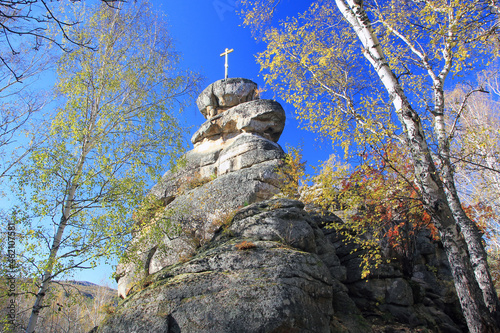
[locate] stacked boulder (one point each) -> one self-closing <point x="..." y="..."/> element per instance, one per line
<point x="243" y="260"/>
<point x="233" y="164"/>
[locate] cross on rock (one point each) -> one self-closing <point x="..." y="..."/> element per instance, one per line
<point x="225" y="53"/>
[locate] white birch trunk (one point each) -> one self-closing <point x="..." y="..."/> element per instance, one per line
<point x="47" y="274"/>
<point x="470" y="296"/>
<point x="469" y="229"/>
<point x="66" y="214"/>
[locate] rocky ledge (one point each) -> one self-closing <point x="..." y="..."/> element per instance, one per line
<point x="275" y="268"/>
<point x="233" y="163"/>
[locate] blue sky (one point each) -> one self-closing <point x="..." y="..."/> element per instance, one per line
<point x="202" y="29"/>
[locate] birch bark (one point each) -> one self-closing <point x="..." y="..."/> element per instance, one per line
<point x="66" y="213"/>
<point x="478" y="318"/>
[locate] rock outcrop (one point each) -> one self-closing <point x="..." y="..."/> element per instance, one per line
<point x="239" y="260"/>
<point x="233" y="163"/>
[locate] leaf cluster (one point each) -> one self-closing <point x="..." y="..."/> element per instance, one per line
<point x="380" y="207"/>
<point x="313" y="62"/>
<point x="291" y="173"/>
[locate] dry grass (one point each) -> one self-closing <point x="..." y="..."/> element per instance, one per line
<point x="223" y="220"/>
<point x="245" y="246"/>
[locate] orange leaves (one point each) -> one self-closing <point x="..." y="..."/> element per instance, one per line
<point x="482" y="214"/>
<point x="380" y="204"/>
<point x="245" y="245"/>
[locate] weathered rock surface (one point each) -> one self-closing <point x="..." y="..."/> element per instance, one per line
<point x="246" y="151"/>
<point x="223" y="94"/>
<point x="422" y="298"/>
<point x="233" y="163"/>
<point x="263" y="289"/>
<point x="267" y="285"/>
<point x="263" y="116"/>
<point x="267" y="271"/>
<point x="225" y="257"/>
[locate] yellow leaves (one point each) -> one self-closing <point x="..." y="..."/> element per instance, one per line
<point x="432" y="35"/>
<point x="291" y="173"/>
<point x="115" y="124"/>
<point x="371" y="199"/>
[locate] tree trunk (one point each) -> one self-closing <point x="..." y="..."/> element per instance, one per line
<point x="470" y="231"/>
<point x="478" y="317"/>
<point x="47" y="276"/>
<point x="37" y="307"/>
<point x="48" y="271"/>
<point x="478" y="255"/>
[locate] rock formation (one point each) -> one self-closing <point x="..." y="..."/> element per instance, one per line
<point x="232" y="164"/>
<point x="240" y="260"/>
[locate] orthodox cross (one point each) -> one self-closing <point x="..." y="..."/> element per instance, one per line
<point x="225" y="53"/>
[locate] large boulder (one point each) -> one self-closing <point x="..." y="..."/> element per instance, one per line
<point x="264" y="117"/>
<point x="247" y="280"/>
<point x="194" y="214"/>
<point x="265" y="288"/>
<point x="234" y="163"/>
<point x="226" y="93"/>
<point x="242" y="152"/>
<point x="273" y="268"/>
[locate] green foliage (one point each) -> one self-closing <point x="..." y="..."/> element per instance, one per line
<point x="154" y="224"/>
<point x="319" y="77"/>
<point x="196" y="180"/>
<point x="291" y="173"/>
<point x="178" y="164"/>
<point x="115" y="129"/>
<point x="150" y="210"/>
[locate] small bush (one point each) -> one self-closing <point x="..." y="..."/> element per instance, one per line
<point x="291" y="173"/>
<point x="223" y="220"/>
<point x="109" y="308"/>
<point x="149" y="209"/>
<point x="185" y="257"/>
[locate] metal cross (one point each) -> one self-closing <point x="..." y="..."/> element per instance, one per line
<point x="225" y="53"/>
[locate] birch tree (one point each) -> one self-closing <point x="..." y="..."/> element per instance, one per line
<point x="114" y="132"/>
<point x="366" y="73"/>
<point x="25" y="26"/>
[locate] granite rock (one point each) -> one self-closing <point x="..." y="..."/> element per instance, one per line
<point x="263" y="116"/>
<point x="226" y="93"/>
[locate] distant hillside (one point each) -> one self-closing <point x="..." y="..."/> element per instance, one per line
<point x="90" y="289"/>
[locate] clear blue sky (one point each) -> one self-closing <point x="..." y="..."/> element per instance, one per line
<point x="202" y="29"/>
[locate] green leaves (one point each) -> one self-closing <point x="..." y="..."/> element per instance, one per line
<point x="113" y="134"/>
<point x="291" y="173"/>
